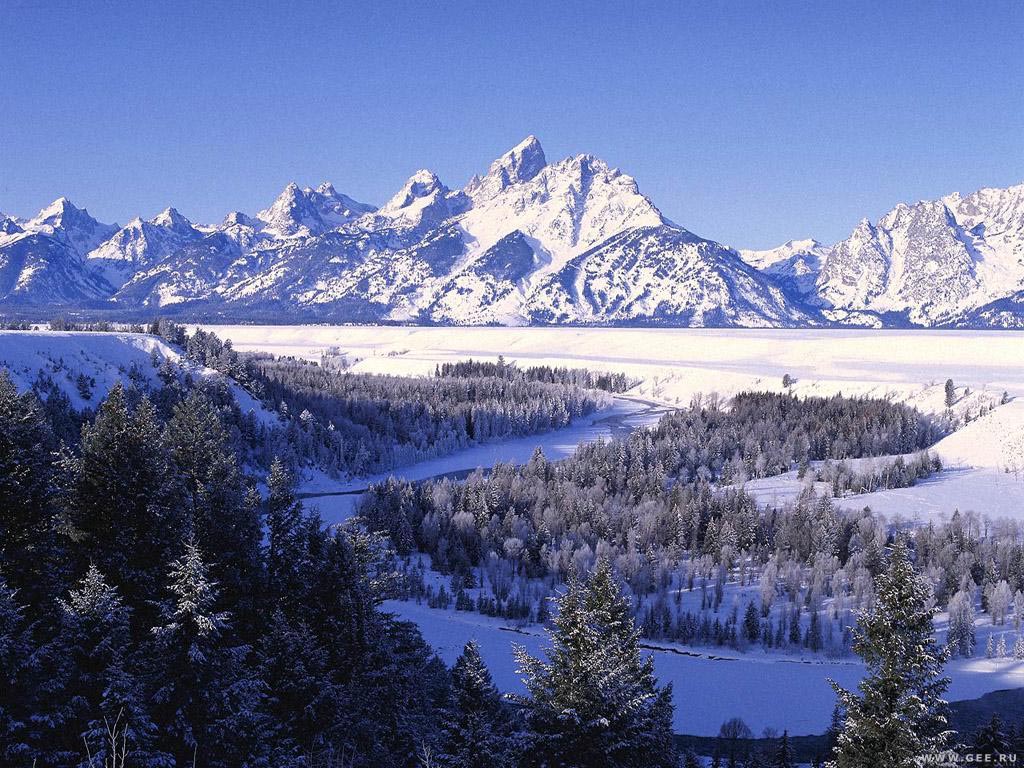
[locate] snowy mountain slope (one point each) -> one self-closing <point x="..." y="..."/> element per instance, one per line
<point x="664" y="276"/>
<point x="953" y="261"/>
<point x="139" y="245"/>
<point x="917" y="260"/>
<point x="794" y="265"/>
<point x="529" y="241"/>
<point x="41" y="260"/>
<point x="39" y="269"/>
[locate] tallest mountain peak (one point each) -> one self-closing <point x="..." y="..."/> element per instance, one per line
<point x="521" y="163"/>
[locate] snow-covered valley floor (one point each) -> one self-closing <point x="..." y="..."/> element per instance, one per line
<point x="984" y="459"/>
<point x="709" y="685"/>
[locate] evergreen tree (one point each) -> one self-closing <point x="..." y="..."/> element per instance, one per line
<point x="784" y="753"/>
<point x="478" y="733"/>
<point x="899" y="715"/>
<point x="17" y="695"/>
<point x="192" y="665"/>
<point x="304" y="698"/>
<point x="595" y="701"/>
<point x="285" y="535"/>
<point x="814" y="641"/>
<point x="220" y="510"/>
<point x="123" y="503"/>
<point x="30" y="556"/>
<point x="101" y="689"/>
<point x="991" y="739"/>
<point x="751" y="623"/>
<point x="960" y="638"/>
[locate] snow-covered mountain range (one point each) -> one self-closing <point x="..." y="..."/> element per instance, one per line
<point x="529" y="242"/>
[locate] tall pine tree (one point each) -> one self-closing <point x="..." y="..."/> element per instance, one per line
<point x="595" y="701"/>
<point x="30" y="557"/>
<point x="899" y="715"/>
<point x="478" y="733"/>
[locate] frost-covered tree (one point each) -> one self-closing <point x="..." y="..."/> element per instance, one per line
<point x="478" y="732"/>
<point x="190" y="657"/>
<point x="961" y="638"/>
<point x="899" y="714"/>
<point x="101" y="688"/>
<point x="220" y="510"/>
<point x="999" y="598"/>
<point x="29" y="553"/>
<point x="595" y="700"/>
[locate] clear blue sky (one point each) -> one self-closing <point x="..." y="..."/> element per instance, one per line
<point x="747" y="122"/>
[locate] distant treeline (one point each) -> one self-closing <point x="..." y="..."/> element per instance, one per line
<point x="359" y="423"/>
<point x="577" y="377"/>
<point x="882" y="475"/>
<point x="364" y="423"/>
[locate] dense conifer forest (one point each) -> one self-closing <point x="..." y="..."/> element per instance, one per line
<point x="156" y="611"/>
<point x="704" y="563"/>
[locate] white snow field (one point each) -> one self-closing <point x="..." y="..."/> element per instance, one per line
<point x="675" y="364"/>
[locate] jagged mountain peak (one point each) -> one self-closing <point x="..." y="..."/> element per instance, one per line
<point x="304" y="211"/>
<point x="61" y="212"/>
<point x="170" y="218"/>
<point x="423" y="183"/>
<point x="72" y="226"/>
<point x="237" y="218"/>
<point x="521" y="163"/>
<point x="9" y="225"/>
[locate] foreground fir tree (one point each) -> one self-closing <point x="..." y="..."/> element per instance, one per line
<point x="899" y="715"/>
<point x="784" y="753"/>
<point x="193" y="663"/>
<point x="30" y="558"/>
<point x="15" y="691"/>
<point x="992" y="740"/>
<point x="99" y="689"/>
<point x="478" y="735"/>
<point x="122" y="501"/>
<point x="594" y="701"/>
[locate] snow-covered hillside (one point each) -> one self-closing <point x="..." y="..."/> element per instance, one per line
<point x="86" y="365"/>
